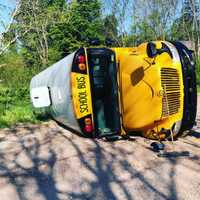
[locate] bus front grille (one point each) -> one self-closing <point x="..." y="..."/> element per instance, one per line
<point x="171" y="91"/>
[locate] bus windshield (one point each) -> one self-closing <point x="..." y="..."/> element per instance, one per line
<point x="104" y="89"/>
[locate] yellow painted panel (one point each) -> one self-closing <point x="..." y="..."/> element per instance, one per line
<point x="140" y="98"/>
<point x="81" y="94"/>
<point x="141" y="89"/>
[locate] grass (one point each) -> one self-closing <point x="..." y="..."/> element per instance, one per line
<point x="15" y="105"/>
<point x="14" y="109"/>
<point x="17" y="113"/>
<point x="21" y="113"/>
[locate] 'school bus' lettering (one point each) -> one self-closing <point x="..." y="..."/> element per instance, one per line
<point x="81" y="94"/>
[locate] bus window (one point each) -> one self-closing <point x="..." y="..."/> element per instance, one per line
<point x="103" y="78"/>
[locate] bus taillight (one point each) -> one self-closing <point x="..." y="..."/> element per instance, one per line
<point x="88" y="125"/>
<point x="81" y="59"/>
<point x="82" y="66"/>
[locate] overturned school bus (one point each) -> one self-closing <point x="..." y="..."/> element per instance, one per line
<point x="99" y="92"/>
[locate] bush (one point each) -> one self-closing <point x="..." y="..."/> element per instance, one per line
<point x="15" y="107"/>
<point x="15" y="103"/>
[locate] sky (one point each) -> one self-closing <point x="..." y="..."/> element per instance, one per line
<point x="6" y="8"/>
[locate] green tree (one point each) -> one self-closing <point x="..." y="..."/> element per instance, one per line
<point x="187" y="25"/>
<point x="110" y="28"/>
<point x="86" y="21"/>
<point x="56" y="28"/>
<point x="152" y="19"/>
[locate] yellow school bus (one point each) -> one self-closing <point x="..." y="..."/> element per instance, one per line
<point x="148" y="90"/>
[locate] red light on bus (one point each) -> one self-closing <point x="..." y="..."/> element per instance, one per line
<point x="88" y="125"/>
<point x="88" y="128"/>
<point x="81" y="59"/>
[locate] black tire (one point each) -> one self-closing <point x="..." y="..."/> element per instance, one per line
<point x="190" y="88"/>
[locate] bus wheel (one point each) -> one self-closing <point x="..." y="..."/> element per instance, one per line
<point x="176" y="128"/>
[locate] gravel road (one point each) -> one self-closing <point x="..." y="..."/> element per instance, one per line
<point x="39" y="162"/>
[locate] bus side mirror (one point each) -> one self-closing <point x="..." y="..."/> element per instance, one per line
<point x="151" y="50"/>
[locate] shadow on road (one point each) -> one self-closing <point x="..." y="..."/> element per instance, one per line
<point x="40" y="169"/>
<point x="97" y="169"/>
